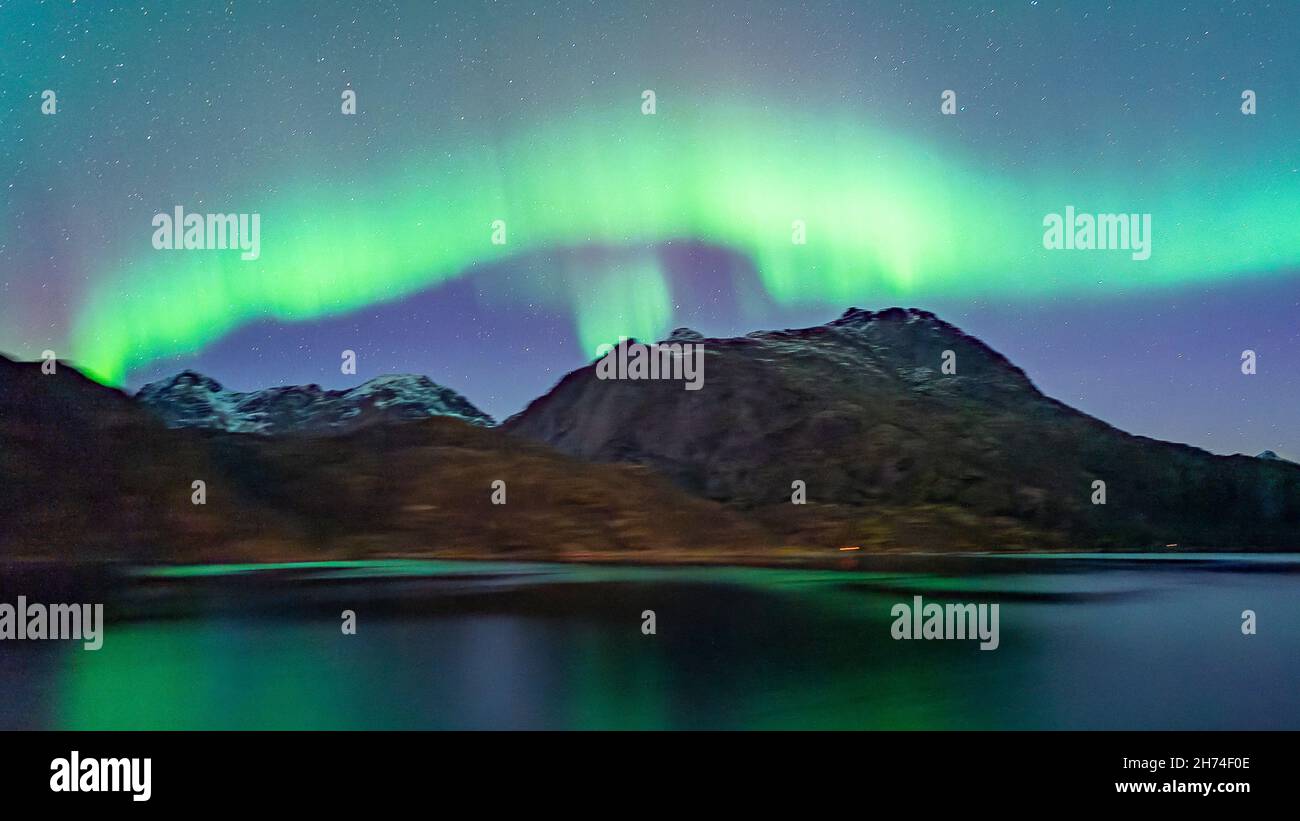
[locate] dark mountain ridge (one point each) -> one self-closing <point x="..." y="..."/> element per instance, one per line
<point x="894" y="451"/>
<point x="86" y="474"/>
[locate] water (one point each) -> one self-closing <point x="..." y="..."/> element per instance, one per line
<point x="1093" y="642"/>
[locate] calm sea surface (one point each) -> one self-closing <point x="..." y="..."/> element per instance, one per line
<point x="1085" y="642"/>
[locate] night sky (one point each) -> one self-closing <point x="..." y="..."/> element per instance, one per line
<point x="377" y="228"/>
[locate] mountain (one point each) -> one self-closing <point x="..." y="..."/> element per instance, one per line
<point x="86" y="473"/>
<point x="192" y="400"/>
<point x="895" y="453"/>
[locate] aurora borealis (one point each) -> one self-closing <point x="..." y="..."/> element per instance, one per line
<point x="377" y="227"/>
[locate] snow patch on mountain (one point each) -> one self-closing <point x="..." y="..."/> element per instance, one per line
<point x="192" y="400"/>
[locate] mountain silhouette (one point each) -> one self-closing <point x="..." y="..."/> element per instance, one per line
<point x="894" y="452"/>
<point x="87" y="473"/>
<point x="895" y="429"/>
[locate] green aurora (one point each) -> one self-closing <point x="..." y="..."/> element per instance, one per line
<point x="887" y="220"/>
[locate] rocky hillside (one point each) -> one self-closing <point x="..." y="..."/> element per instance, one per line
<point x="86" y="473"/>
<point x="896" y="453"/>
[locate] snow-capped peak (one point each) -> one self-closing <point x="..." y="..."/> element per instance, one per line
<point x="192" y="400"/>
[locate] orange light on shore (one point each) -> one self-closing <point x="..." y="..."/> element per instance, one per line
<point x="850" y="548"/>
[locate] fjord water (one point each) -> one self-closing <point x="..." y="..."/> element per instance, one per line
<point x="1086" y="641"/>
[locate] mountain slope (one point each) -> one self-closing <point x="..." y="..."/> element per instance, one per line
<point x="86" y="473"/>
<point x="896" y="453"/>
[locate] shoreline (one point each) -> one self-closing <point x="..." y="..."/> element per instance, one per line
<point x="665" y="560"/>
